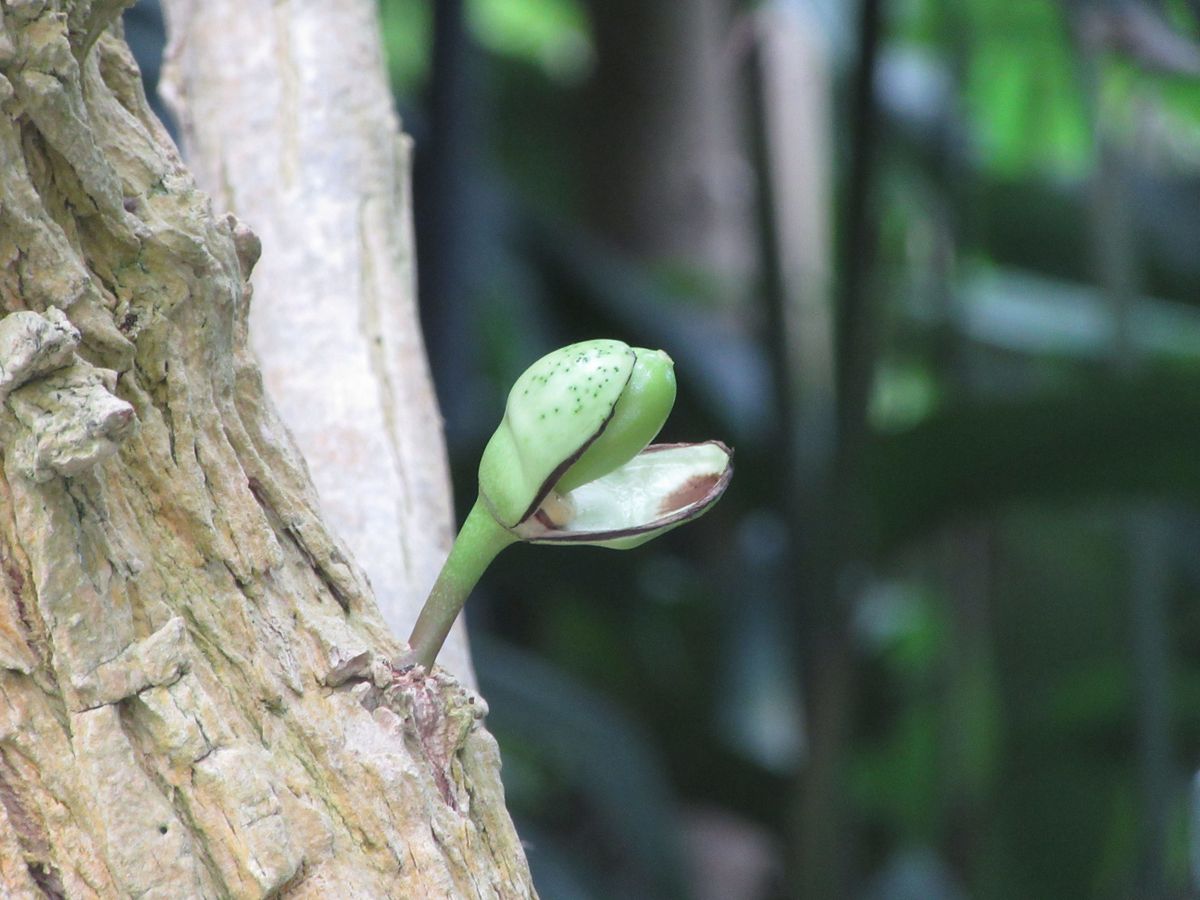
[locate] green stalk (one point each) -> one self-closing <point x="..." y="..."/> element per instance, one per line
<point x="479" y="541"/>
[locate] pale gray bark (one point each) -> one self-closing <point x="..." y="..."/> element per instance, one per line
<point x="287" y="121"/>
<point x="195" y="698"/>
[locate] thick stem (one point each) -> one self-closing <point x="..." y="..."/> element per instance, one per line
<point x="477" y="544"/>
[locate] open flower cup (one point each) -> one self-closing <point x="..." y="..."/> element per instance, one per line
<point x="572" y="463"/>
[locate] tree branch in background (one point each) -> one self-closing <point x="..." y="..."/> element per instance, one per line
<point x="821" y="849"/>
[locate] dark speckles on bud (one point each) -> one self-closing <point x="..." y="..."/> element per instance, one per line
<point x="596" y="383"/>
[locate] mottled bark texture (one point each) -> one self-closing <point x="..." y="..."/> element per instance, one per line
<point x="287" y="121"/>
<point x="195" y="699"/>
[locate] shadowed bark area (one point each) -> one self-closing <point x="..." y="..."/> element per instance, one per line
<point x="195" y="698"/>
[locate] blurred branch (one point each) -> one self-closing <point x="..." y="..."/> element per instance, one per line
<point x="1017" y="312"/>
<point x="664" y="169"/>
<point x="854" y="322"/>
<point x="795" y="483"/>
<point x="773" y="287"/>
<point x="1137" y="30"/>
<point x="789" y="80"/>
<point x="1141" y="33"/>
<point x="821" y="847"/>
<point x="1110" y="437"/>
<point x="445" y="189"/>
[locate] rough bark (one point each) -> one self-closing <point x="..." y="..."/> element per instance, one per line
<point x="295" y="134"/>
<point x="195" y="695"/>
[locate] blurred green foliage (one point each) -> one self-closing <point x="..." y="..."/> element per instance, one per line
<point x="552" y="35"/>
<point x="998" y="731"/>
<point x="1019" y="80"/>
<point x="407" y="27"/>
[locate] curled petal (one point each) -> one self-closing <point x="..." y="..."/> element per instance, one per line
<point x="663" y="486"/>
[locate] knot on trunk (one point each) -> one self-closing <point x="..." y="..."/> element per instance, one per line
<point x="434" y="714"/>
<point x="61" y="416"/>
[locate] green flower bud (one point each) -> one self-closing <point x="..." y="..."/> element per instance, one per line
<point x="556" y="409"/>
<point x="571" y="462"/>
<point x="575" y="415"/>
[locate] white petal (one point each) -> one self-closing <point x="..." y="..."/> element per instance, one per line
<point x="663" y="486"/>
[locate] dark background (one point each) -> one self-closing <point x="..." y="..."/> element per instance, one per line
<point x="933" y="267"/>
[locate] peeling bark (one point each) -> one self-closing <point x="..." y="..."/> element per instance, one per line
<point x="195" y="694"/>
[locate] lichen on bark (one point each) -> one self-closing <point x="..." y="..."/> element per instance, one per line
<point x="194" y="693"/>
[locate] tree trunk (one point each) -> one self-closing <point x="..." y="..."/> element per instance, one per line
<point x="295" y="134"/>
<point x="195" y="694"/>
